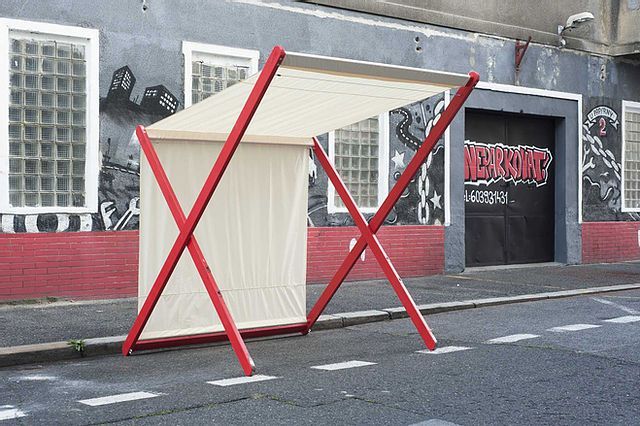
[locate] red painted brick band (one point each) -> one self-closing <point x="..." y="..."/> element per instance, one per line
<point x="610" y="241"/>
<point x="92" y="265"/>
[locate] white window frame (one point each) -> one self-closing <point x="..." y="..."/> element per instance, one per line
<point x="224" y="54"/>
<point x="92" y="160"/>
<point x="383" y="168"/>
<point x="634" y="107"/>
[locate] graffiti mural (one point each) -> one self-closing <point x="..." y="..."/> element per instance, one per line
<point x="47" y="222"/>
<point x="485" y="164"/>
<point x="422" y="202"/>
<point x="119" y="188"/>
<point x="601" y="168"/>
<point x="119" y="178"/>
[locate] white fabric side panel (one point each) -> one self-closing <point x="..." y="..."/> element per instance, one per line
<point x="253" y="236"/>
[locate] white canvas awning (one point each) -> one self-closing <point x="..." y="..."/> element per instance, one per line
<point x="310" y="95"/>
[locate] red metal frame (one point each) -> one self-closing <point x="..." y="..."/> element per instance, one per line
<point x="368" y="230"/>
<point x="373" y="242"/>
<point x="187" y="225"/>
<point x="197" y="339"/>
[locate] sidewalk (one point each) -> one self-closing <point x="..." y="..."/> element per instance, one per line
<point x="61" y="321"/>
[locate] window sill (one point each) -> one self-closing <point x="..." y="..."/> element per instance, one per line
<point x="47" y="210"/>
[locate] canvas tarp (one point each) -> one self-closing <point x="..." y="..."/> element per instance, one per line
<point x="253" y="235"/>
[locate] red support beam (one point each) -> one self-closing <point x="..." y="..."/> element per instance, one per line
<point x="379" y="253"/>
<point x="251" y="333"/>
<point x="188" y="227"/>
<point x="213" y="290"/>
<point x="394" y="195"/>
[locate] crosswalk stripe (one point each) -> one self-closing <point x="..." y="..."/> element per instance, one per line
<point x="113" y="399"/>
<point x="8" y="412"/>
<point x="512" y="338"/>
<point x="435" y="422"/>
<point x="624" y="320"/>
<point x="242" y="380"/>
<point x="572" y="327"/>
<point x="343" y="365"/>
<point x="444" y="350"/>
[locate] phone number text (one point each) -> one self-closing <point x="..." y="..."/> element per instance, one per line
<point x="486" y="197"/>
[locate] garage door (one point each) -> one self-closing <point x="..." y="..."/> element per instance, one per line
<point x="509" y="189"/>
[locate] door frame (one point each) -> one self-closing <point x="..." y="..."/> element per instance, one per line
<point x="566" y="110"/>
<point x="504" y="210"/>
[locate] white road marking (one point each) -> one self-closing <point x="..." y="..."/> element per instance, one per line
<point x="616" y="305"/>
<point x="444" y="350"/>
<point x="624" y="320"/>
<point x="343" y="365"/>
<point x="35" y="378"/>
<point x="241" y="380"/>
<point x="572" y="327"/>
<point x="512" y="338"/>
<point x="435" y="422"/>
<point x="8" y="412"/>
<point x="113" y="399"/>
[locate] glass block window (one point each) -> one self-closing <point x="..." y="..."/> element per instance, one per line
<point x="47" y="122"/>
<point x="208" y="78"/>
<point x="211" y="68"/>
<point x="356" y="158"/>
<point x="631" y="165"/>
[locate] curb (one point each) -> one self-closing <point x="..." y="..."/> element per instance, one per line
<point x="60" y="351"/>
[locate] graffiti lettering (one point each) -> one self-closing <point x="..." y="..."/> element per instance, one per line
<point x="489" y="163"/>
<point x="605" y="112"/>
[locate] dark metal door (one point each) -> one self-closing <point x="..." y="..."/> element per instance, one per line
<point x="509" y="189"/>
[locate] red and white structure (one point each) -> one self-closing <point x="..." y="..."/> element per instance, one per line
<point x="245" y="230"/>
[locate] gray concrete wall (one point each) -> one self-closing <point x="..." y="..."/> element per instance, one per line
<point x="149" y="42"/>
<point x="614" y="30"/>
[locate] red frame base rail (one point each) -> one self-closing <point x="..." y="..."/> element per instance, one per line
<point x="187" y="225"/>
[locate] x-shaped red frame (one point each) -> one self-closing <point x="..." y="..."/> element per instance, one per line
<point x="187" y="225"/>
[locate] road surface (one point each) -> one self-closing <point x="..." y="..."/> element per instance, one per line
<point x="566" y="361"/>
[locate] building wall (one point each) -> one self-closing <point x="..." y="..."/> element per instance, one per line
<point x="85" y="265"/>
<point x="74" y="264"/>
<point x="610" y="241"/>
<point x="613" y="31"/>
<point x="149" y="43"/>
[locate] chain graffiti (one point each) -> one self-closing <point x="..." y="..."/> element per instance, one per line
<point x="415" y="118"/>
<point x="600" y="168"/>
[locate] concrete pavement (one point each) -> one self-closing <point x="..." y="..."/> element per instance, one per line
<point x="585" y="376"/>
<point x="102" y="323"/>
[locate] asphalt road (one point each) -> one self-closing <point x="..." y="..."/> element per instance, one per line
<point x="586" y="374"/>
<point x="51" y="322"/>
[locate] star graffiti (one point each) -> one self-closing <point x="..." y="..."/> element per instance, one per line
<point x="436" y="200"/>
<point x="398" y="160"/>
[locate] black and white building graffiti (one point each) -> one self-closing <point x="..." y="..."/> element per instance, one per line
<point x="601" y="166"/>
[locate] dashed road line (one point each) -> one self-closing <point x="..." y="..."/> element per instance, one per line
<point x="444" y="350"/>
<point x="572" y="327"/>
<point x="435" y="422"/>
<point x="9" y="412"/>
<point x="624" y="320"/>
<point x="113" y="399"/>
<point x="343" y="365"/>
<point x="242" y="380"/>
<point x="616" y="305"/>
<point x="512" y="338"/>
